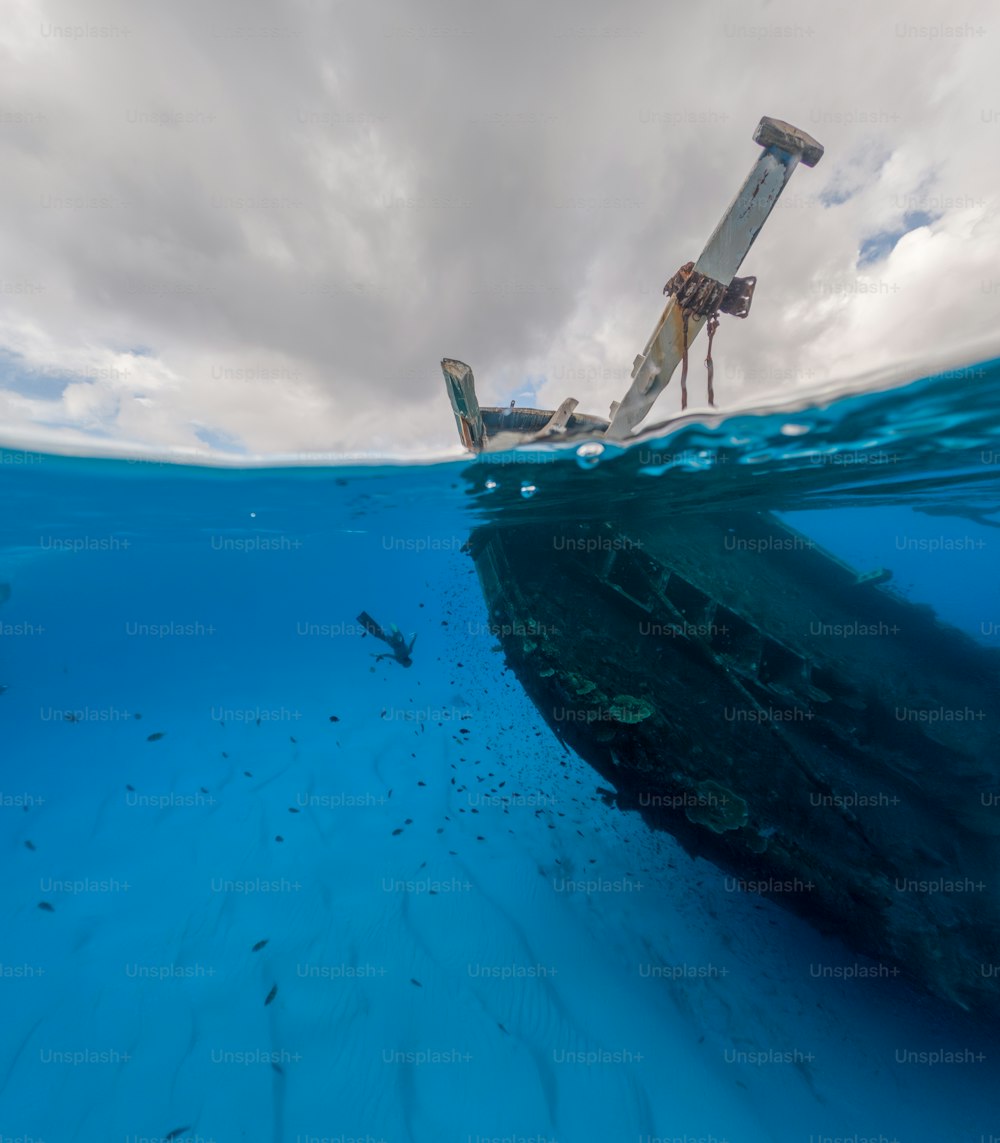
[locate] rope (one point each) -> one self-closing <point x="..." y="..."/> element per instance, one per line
<point x="684" y="362"/>
<point x="713" y="325"/>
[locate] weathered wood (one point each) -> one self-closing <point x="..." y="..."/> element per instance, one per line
<point x="560" y="418"/>
<point x="464" y="403"/>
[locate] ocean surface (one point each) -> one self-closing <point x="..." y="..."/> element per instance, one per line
<point x="260" y="884"/>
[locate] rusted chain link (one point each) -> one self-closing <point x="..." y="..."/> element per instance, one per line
<point x="704" y="297"/>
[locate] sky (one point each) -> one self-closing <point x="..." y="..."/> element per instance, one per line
<point x="254" y="229"/>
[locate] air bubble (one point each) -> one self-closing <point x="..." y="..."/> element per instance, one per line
<point x="589" y="455"/>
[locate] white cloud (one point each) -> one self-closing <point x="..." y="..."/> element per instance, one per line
<point x="296" y="209"/>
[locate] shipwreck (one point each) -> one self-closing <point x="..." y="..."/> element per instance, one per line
<point x="786" y="716"/>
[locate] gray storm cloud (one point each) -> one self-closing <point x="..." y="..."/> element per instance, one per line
<point x="258" y="228"/>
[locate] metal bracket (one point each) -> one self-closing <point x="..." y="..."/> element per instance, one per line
<point x="703" y="296"/>
<point x="738" y="297"/>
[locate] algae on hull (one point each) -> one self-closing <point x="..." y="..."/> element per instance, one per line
<point x="758" y="737"/>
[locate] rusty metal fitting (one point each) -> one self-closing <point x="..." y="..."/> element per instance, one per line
<point x="702" y="296"/>
<point x="738" y="297"/>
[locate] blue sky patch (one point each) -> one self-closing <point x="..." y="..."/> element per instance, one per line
<point x="525" y="396"/>
<point x="16" y="376"/>
<point x="882" y="244"/>
<point x="836" y="193"/>
<point x="219" y="439"/>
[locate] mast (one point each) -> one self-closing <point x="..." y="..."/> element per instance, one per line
<point x="706" y="288"/>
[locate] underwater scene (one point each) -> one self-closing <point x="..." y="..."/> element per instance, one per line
<point x="580" y="794"/>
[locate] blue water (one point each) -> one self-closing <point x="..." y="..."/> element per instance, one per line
<point x="461" y="934"/>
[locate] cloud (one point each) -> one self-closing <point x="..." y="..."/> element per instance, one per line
<point x="257" y="229"/>
<point x="878" y="246"/>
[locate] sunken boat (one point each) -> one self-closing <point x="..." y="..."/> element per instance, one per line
<point x="793" y="719"/>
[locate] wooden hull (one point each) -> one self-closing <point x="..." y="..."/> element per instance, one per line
<point x="828" y="743"/>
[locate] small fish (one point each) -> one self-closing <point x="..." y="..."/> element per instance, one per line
<point x="157" y="736"/>
<point x="203" y="790"/>
<point x="224" y="754"/>
<point x="177" y="1131"/>
<point x="271" y="995"/>
<point x="45" y="906"/>
<point x="258" y="722"/>
<point x="278" y="837"/>
<point x="29" y="844"/>
<point x="260" y="944"/>
<point x="334" y="718"/>
<point x="4" y="688"/>
<point x="247" y="774"/>
<point x="278" y="1068"/>
<point x="396" y="832"/>
<point x="293" y="810"/>
<point x="70" y="716"/>
<point x="502" y="1029"/>
<point x="128" y="787"/>
<point x="416" y="982"/>
<point x="138" y="715"/>
<point x="291" y="739"/>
